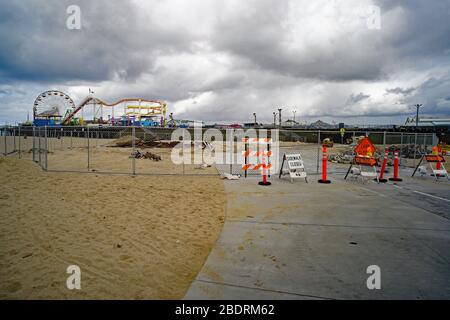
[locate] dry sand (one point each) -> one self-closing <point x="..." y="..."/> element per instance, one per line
<point x="117" y="160"/>
<point x="142" y="237"/>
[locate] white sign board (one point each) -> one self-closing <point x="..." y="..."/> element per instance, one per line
<point x="296" y="167"/>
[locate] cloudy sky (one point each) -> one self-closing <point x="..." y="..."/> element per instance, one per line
<point x="222" y="60"/>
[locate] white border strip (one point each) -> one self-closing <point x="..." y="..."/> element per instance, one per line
<point x="430" y="195"/>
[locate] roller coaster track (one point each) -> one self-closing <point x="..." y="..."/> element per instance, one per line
<point x="93" y="100"/>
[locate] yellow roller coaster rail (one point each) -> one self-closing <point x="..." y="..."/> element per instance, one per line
<point x="144" y="111"/>
<point x="162" y="108"/>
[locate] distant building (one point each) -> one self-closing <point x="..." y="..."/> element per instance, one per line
<point x="289" y="124"/>
<point x="252" y="125"/>
<point x="428" y="122"/>
<point x="227" y="126"/>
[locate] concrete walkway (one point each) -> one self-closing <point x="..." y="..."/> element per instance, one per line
<point x="313" y="241"/>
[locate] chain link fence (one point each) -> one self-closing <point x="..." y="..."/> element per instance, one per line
<point x="136" y="150"/>
<point x="411" y="146"/>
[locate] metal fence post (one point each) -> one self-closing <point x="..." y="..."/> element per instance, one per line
<point x="184" y="149"/>
<point x="384" y="140"/>
<point x="14" y="139"/>
<point x="88" y="149"/>
<point x="46" y="149"/>
<point x="34" y="143"/>
<point x="39" y="146"/>
<point x="424" y="138"/>
<point x="434" y="139"/>
<point x="71" y="139"/>
<point x="133" y="159"/>
<point x="20" y="137"/>
<point x="6" y="141"/>
<point x="318" y="151"/>
<point x="415" y="148"/>
<point x="401" y="148"/>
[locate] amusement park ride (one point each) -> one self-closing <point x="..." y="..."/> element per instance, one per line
<point x="136" y="111"/>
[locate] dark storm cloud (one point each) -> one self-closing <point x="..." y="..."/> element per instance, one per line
<point x="424" y="29"/>
<point x="432" y="94"/>
<point x="358" y="97"/>
<point x="341" y="55"/>
<point x="257" y="34"/>
<point x="113" y="42"/>
<point x="402" y="91"/>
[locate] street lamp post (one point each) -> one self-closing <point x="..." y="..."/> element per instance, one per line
<point x="279" y="115"/>
<point x="417" y="114"/>
<point x="254" y="115"/>
<point x="294" y="112"/>
<point x="274" y="118"/>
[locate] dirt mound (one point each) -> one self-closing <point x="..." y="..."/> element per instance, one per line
<point x="125" y="141"/>
<point x="149" y="142"/>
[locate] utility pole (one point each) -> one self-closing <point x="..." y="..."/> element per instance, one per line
<point x="417" y="114"/>
<point x="274" y="118"/>
<point x="279" y="115"/>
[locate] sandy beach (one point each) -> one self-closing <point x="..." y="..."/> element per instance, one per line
<point x="143" y="237"/>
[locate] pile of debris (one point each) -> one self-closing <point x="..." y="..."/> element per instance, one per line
<point x="408" y="151"/>
<point x="148" y="155"/>
<point x="148" y="142"/>
<point x="156" y="144"/>
<point x="152" y="142"/>
<point x="124" y="142"/>
<point x="346" y="157"/>
<point x="405" y="151"/>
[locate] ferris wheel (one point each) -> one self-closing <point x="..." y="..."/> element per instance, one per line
<point x="50" y="104"/>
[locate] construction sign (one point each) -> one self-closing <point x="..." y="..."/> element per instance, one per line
<point x="365" y="148"/>
<point x="365" y="151"/>
<point x="434" y="158"/>
<point x="365" y="161"/>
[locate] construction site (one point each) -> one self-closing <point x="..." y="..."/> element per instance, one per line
<point x="224" y="159"/>
<point x="260" y="228"/>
